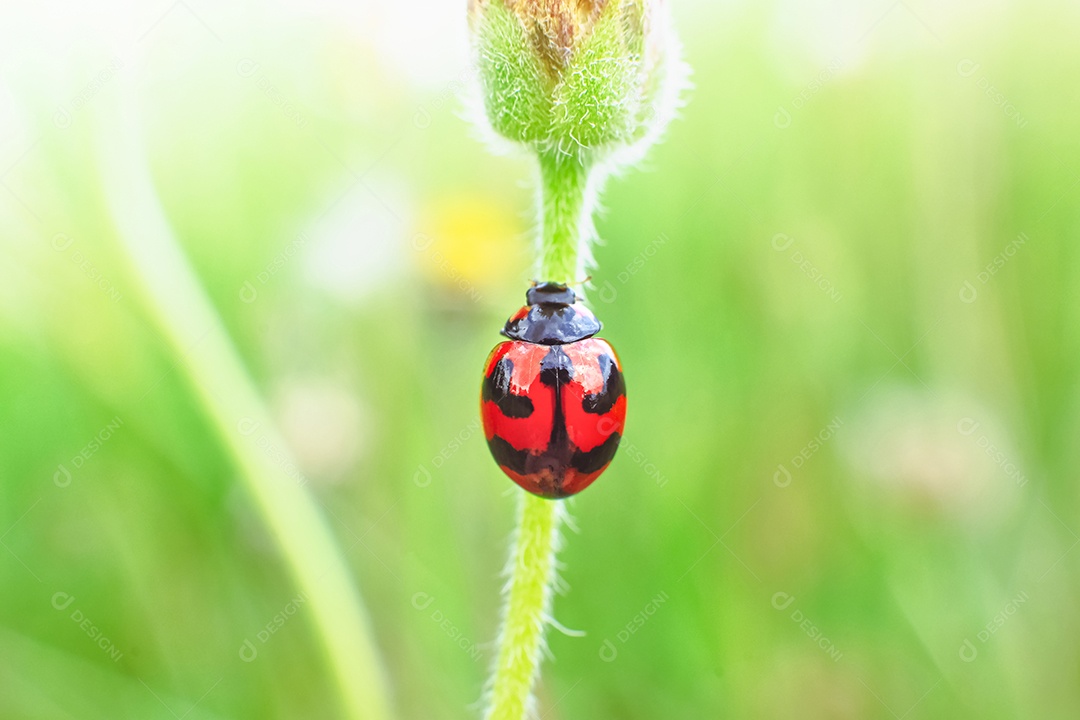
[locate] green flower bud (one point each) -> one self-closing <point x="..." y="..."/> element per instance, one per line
<point x="596" y="78"/>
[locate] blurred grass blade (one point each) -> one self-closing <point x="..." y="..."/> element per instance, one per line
<point x="227" y="394"/>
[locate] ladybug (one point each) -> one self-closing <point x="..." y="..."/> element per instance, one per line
<point x="553" y="398"/>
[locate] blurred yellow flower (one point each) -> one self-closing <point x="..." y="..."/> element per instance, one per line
<point x="466" y="242"/>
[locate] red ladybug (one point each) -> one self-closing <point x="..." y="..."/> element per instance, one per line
<point x="553" y="399"/>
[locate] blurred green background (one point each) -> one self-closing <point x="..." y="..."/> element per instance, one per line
<point x="844" y="293"/>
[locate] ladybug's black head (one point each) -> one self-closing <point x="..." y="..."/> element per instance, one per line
<point x="549" y="292"/>
<point x="552" y="317"/>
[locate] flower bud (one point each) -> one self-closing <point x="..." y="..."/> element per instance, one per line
<point x="594" y="77"/>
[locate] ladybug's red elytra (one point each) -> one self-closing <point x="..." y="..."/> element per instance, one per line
<point x="553" y="399"/>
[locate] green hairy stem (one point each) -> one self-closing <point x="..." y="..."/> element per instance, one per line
<point x="566" y="217"/>
<point x="566" y="228"/>
<point x="585" y="96"/>
<point x="532" y="578"/>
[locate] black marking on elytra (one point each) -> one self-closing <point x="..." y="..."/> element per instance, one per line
<point x="552" y="318"/>
<point x="508" y="456"/>
<point x="556" y="369"/>
<point x="614" y="387"/>
<point x="596" y="459"/>
<point x="496" y="389"/>
<point x="548" y="467"/>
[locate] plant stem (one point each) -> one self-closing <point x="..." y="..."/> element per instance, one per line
<point x="532" y="576"/>
<point x="566" y="201"/>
